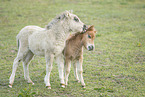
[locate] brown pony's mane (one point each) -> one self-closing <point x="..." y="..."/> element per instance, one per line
<point x="74" y="36"/>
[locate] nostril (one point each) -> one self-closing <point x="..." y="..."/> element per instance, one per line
<point x="89" y="47"/>
<point x="92" y="47"/>
<point x="84" y="26"/>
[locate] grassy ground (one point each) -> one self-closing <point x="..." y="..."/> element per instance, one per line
<point x="115" y="68"/>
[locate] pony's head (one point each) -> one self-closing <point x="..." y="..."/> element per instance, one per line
<point x="74" y="23"/>
<point x="69" y="21"/>
<point x="88" y="38"/>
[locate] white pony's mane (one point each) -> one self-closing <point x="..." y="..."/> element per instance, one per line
<point x="57" y="19"/>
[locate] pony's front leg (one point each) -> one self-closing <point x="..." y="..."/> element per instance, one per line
<point x="49" y="62"/>
<point x="60" y="63"/>
<point x="67" y="70"/>
<point x="75" y="72"/>
<point x="80" y="71"/>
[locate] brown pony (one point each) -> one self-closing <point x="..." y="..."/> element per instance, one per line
<point x="74" y="52"/>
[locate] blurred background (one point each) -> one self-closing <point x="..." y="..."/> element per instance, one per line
<point x="115" y="68"/>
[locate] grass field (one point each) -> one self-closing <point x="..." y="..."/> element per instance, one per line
<point x="117" y="66"/>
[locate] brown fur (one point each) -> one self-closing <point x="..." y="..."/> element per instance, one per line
<point x="74" y="51"/>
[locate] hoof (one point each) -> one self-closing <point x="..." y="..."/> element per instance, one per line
<point x="10" y="85"/>
<point x="62" y="85"/>
<point x="83" y="86"/>
<point x="30" y="82"/>
<point x="48" y="87"/>
<point x="78" y="81"/>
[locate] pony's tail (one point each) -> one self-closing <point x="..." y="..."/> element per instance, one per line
<point x="18" y="42"/>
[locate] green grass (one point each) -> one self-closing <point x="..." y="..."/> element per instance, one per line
<point x="116" y="67"/>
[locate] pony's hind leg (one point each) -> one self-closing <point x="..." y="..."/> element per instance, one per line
<point x="26" y="61"/>
<point x="16" y="62"/>
<point x="23" y="49"/>
<point x="15" y="65"/>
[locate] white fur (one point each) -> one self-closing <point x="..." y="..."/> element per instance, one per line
<point x="48" y="42"/>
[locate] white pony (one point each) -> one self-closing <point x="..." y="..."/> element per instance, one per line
<point x="48" y="42"/>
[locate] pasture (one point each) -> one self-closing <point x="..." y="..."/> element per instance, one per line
<point x="115" y="69"/>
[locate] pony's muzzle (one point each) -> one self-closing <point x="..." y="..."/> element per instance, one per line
<point x="90" y="48"/>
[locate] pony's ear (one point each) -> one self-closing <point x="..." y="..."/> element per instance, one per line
<point x="71" y="11"/>
<point x="91" y="28"/>
<point x="67" y="14"/>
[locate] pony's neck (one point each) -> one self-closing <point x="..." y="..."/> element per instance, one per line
<point x="80" y="37"/>
<point x="61" y="32"/>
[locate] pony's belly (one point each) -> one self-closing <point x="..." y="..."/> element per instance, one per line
<point x="36" y="47"/>
<point x="37" y="51"/>
<point x="42" y="52"/>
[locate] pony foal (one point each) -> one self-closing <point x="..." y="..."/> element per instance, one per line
<point x="73" y="51"/>
<point x="48" y="42"/>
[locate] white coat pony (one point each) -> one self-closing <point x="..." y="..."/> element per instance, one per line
<point x="48" y="42"/>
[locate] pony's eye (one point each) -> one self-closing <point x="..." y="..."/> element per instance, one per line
<point x="76" y="19"/>
<point x="89" y="36"/>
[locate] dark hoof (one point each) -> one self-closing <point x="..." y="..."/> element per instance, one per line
<point x="62" y="85"/>
<point x="83" y="86"/>
<point x="48" y="87"/>
<point x="10" y="85"/>
<point x="78" y="81"/>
